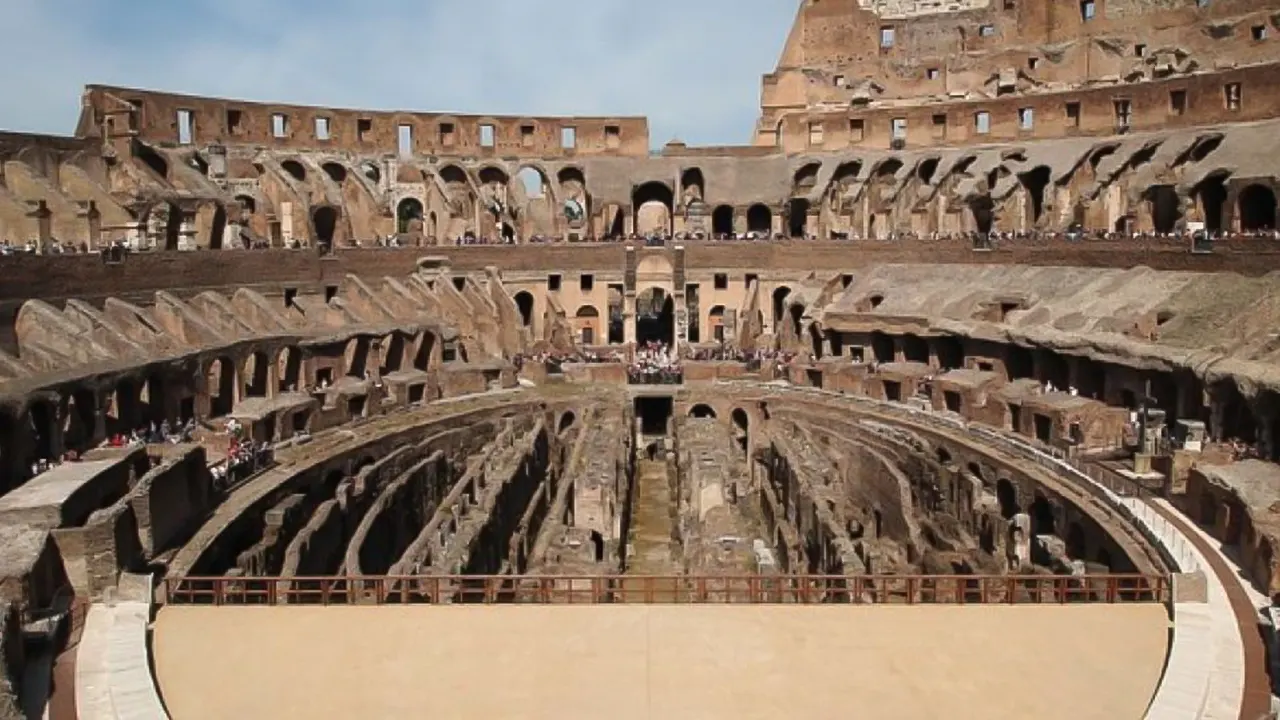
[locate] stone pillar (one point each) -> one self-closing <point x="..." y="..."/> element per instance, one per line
<point x="628" y="318"/>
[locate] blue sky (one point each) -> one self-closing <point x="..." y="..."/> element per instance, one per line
<point x="692" y="66"/>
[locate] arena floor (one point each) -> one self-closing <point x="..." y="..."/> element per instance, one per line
<point x="629" y="662"/>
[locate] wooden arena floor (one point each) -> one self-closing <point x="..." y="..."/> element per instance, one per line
<point x="626" y="662"/>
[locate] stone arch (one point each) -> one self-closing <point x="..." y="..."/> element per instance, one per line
<point x="1007" y="497"/>
<point x="408" y="212"/>
<point x="567" y="419"/>
<point x="493" y="175"/>
<point x="702" y="410"/>
<point x="257" y="375"/>
<point x="426" y="348"/>
<point x="806" y="177"/>
<point x="780" y="294"/>
<point x="1257" y="208"/>
<point x="524" y="302"/>
<point x="1165" y="207"/>
<point x="1035" y="182"/>
<point x="289" y="368"/>
<point x="295" y="170"/>
<point x="653" y="206"/>
<point x="218" y="228"/>
<point x="760" y="219"/>
<point x="1210" y="195"/>
<point x="742" y="428"/>
<point x="220" y="382"/>
<point x="692" y="186"/>
<point x="534" y="181"/>
<point x="357" y="356"/>
<point x="1043" y="521"/>
<point x="722" y="220"/>
<point x="324" y="221"/>
<point x="335" y="170"/>
<point x="798" y="217"/>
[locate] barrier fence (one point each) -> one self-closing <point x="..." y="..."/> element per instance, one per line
<point x="681" y="589"/>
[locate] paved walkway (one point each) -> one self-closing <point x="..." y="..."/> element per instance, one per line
<point x="1240" y="671"/>
<point x="113" y="674"/>
<point x="662" y="662"/>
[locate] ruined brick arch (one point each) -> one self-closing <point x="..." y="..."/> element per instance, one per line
<point x="325" y="228"/>
<point x="393" y="353"/>
<point x="289" y="368"/>
<point x="372" y="172"/>
<point x="1036" y="183"/>
<point x="702" y="410"/>
<point x="722" y="220"/>
<point x="1210" y="196"/>
<point x="336" y="171"/>
<point x="653" y="207"/>
<point x="493" y="175"/>
<point x="220" y="386"/>
<point x="295" y="169"/>
<point x="760" y="219"/>
<point x="805" y="178"/>
<point x="257" y="375"/>
<point x="692" y="186"/>
<point x="424" y="353"/>
<point x="1256" y="208"/>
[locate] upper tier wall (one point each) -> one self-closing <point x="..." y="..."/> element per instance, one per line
<point x="155" y="117"/>
<point x="56" y="278"/>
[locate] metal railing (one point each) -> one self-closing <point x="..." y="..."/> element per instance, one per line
<point x="680" y="589"/>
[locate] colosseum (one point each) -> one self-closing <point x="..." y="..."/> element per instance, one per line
<point x="964" y="368"/>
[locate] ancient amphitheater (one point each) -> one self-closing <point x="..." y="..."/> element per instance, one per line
<point x="956" y="393"/>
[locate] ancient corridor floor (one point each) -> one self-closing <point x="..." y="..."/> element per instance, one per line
<point x="642" y="662"/>
<point x="652" y="524"/>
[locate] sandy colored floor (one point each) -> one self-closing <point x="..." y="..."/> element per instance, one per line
<point x="626" y="662"/>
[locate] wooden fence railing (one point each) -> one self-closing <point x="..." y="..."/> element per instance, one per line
<point x="683" y="589"/>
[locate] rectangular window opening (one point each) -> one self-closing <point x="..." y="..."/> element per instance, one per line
<point x="1231" y="94"/>
<point x="322" y="128"/>
<point x="721" y="281"/>
<point x="931" y="74"/>
<point x="1026" y="119"/>
<point x="553" y="283"/>
<point x="899" y="129"/>
<point x="1140" y="50"/>
<point x="446" y="134"/>
<point x="857" y="130"/>
<point x="1177" y="102"/>
<point x="364" y="127"/>
<point x="486" y="136"/>
<point x="289" y="295"/>
<point x="568" y="138"/>
<point x="816" y="133"/>
<point x="982" y="122"/>
<point x="279" y="125"/>
<point x="1073" y="114"/>
<point x="1124" y="113"/>
<point x="986" y="30"/>
<point x="1087" y="10"/>
<point x="887" y="36"/>
<point x="1259" y="32"/>
<point x="526" y="136"/>
<point x="404" y="140"/>
<point x="186" y="128"/>
<point x="940" y="125"/>
<point x="612" y="137"/>
<point x="587" y="283"/>
<point x="233" y="122"/>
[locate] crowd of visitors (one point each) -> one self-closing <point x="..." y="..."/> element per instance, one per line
<point x="655" y="364"/>
<point x="155" y="435"/>
<point x="245" y="457"/>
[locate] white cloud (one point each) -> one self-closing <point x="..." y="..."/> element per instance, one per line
<point x="692" y="66"/>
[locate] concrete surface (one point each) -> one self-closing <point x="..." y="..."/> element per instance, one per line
<point x="627" y="662"/>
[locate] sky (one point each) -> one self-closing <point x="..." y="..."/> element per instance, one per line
<point x="692" y="67"/>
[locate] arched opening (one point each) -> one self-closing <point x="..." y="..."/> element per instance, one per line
<point x="221" y="382"/>
<point x="532" y="182"/>
<point x="722" y="220"/>
<point x="1007" y="497"/>
<point x="779" y="304"/>
<point x="566" y="422"/>
<point x="1211" y="196"/>
<point x="692" y="186"/>
<point x="325" y="220"/>
<point x="654" y="204"/>
<point x="122" y="416"/>
<point x="335" y="171"/>
<point x="491" y="175"/>
<point x="950" y="352"/>
<point x="702" y="411"/>
<point x="597" y="545"/>
<point x="806" y="177"/>
<point x="426" y="346"/>
<point x="357" y="357"/>
<point x="82" y="415"/>
<point x="40" y="418"/>
<point x="882" y="347"/>
<point x="943" y="455"/>
<point x="1165" y="207"/>
<point x="759" y="219"/>
<point x="1042" y="520"/>
<point x="815" y="341"/>
<point x="408" y="211"/>
<point x="1035" y="183"/>
<point x="392" y="354"/>
<point x="256" y="375"/>
<point x="915" y="349"/>
<point x="655" y="317"/>
<point x="248" y="206"/>
<point x="588" y="324"/>
<point x="219" y="228"/>
<point x="295" y="170"/>
<point x="151" y="158"/>
<point x="172" y="228"/>
<point x="983" y="211"/>
<point x="798" y="218"/>
<point x="1076" y="548"/>
<point x="742" y="428"/>
<point x="524" y="302"/>
<point x="926" y="170"/>
<point x="1257" y="205"/>
<point x="371" y="172"/>
<point x="715" y="321"/>
<point x="289" y="368"/>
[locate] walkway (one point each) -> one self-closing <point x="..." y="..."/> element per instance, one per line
<point x="113" y="672"/>
<point x="652" y="525"/>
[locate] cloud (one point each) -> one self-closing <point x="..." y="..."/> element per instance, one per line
<point x="692" y="67"/>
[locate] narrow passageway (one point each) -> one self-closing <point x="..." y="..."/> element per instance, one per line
<point x="652" y="521"/>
